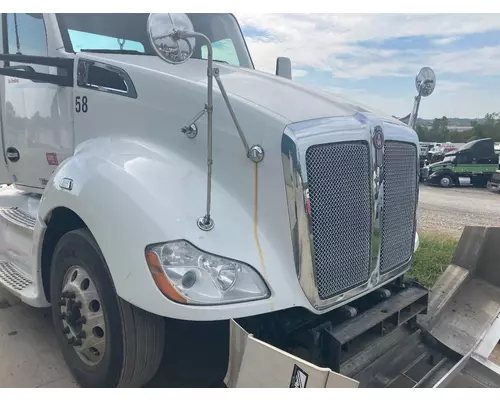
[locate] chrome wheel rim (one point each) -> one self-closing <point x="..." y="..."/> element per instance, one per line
<point x="82" y="316"/>
<point x="445" y="181"/>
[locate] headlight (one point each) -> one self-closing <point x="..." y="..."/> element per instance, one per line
<point x="186" y="274"/>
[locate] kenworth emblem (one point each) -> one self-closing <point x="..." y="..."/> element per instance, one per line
<point x="378" y="138"/>
<point x="378" y="143"/>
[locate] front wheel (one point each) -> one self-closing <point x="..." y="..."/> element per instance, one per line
<point x="105" y="341"/>
<point x="446" y="181"/>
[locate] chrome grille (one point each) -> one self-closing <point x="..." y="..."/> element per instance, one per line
<point x="338" y="176"/>
<point x="399" y="207"/>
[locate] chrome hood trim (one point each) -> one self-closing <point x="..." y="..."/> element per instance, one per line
<point x="297" y="138"/>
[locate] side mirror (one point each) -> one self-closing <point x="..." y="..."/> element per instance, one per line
<point x="284" y="67"/>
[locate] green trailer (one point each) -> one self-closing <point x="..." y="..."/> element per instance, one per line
<point x="473" y="164"/>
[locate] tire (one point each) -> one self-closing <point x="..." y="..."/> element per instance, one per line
<point x="446" y="181"/>
<point x="128" y="348"/>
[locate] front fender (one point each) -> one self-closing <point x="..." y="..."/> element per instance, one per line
<point x="444" y="171"/>
<point x="131" y="194"/>
<point x="113" y="196"/>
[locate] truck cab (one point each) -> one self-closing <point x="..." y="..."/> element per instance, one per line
<point x="474" y="163"/>
<point x="148" y="209"/>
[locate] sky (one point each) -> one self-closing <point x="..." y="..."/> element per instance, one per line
<point x="374" y="58"/>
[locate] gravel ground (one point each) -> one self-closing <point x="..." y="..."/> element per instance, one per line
<point x="450" y="210"/>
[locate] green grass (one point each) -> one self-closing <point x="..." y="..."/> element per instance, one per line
<point x="432" y="257"/>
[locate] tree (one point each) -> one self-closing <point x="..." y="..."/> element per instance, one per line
<point x="422" y="132"/>
<point x="489" y="127"/>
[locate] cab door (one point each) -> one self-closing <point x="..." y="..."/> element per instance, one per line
<point x="5" y="176"/>
<point x="37" y="128"/>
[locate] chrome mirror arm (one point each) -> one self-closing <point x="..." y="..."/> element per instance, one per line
<point x="254" y="153"/>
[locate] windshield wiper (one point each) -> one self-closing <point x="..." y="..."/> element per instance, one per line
<point x="222" y="61"/>
<point x="114" y="51"/>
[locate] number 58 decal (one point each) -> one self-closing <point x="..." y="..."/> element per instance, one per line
<point x="81" y="104"/>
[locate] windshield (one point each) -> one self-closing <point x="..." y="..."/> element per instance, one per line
<point x="127" y="33"/>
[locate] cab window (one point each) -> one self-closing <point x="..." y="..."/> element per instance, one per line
<point x="223" y="50"/>
<point x="86" y="40"/>
<point x="26" y="34"/>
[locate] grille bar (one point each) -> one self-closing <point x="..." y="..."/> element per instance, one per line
<point x="399" y="206"/>
<point x="338" y="176"/>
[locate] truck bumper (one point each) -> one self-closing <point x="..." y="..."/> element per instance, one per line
<point x="494" y="186"/>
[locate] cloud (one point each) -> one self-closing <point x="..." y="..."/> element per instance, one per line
<point x="331" y="42"/>
<point x="345" y="28"/>
<point x="364" y="57"/>
<point x="467" y="102"/>
<point x="444" y="41"/>
<point x="298" y="73"/>
<point x="453" y="86"/>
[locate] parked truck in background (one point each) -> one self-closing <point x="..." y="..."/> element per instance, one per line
<point x="474" y="163"/>
<point x="149" y="209"/>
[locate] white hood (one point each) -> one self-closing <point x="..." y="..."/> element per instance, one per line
<point x="290" y="100"/>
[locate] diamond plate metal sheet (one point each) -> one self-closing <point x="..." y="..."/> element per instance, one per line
<point x="400" y="202"/>
<point x="10" y="276"/>
<point x="338" y="177"/>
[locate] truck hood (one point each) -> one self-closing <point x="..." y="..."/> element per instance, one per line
<point x="439" y="165"/>
<point x="290" y="100"/>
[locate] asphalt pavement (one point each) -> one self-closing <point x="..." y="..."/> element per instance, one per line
<point x="29" y="356"/>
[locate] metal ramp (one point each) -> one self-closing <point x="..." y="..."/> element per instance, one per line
<point x="405" y="336"/>
<point x="454" y="344"/>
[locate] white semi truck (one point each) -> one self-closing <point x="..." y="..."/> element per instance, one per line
<point x="159" y="188"/>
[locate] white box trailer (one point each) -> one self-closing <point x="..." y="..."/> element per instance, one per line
<point x="149" y="209"/>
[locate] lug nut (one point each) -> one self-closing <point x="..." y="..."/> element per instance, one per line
<point x="66" y="330"/>
<point x="81" y="320"/>
<point x="81" y="335"/>
<point x="62" y="302"/>
<point x="77" y="304"/>
<point x="77" y="342"/>
<point x="63" y="315"/>
<point x="65" y="294"/>
<point x="71" y="340"/>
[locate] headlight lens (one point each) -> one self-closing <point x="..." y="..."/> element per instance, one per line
<point x="201" y="278"/>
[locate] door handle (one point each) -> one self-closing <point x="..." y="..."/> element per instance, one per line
<point x="26" y="68"/>
<point x="13" y="154"/>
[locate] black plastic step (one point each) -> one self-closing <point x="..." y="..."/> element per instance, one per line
<point x="334" y="344"/>
<point x="387" y="315"/>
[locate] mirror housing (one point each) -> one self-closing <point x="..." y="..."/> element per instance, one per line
<point x="284" y="67"/>
<point x="172" y="36"/>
